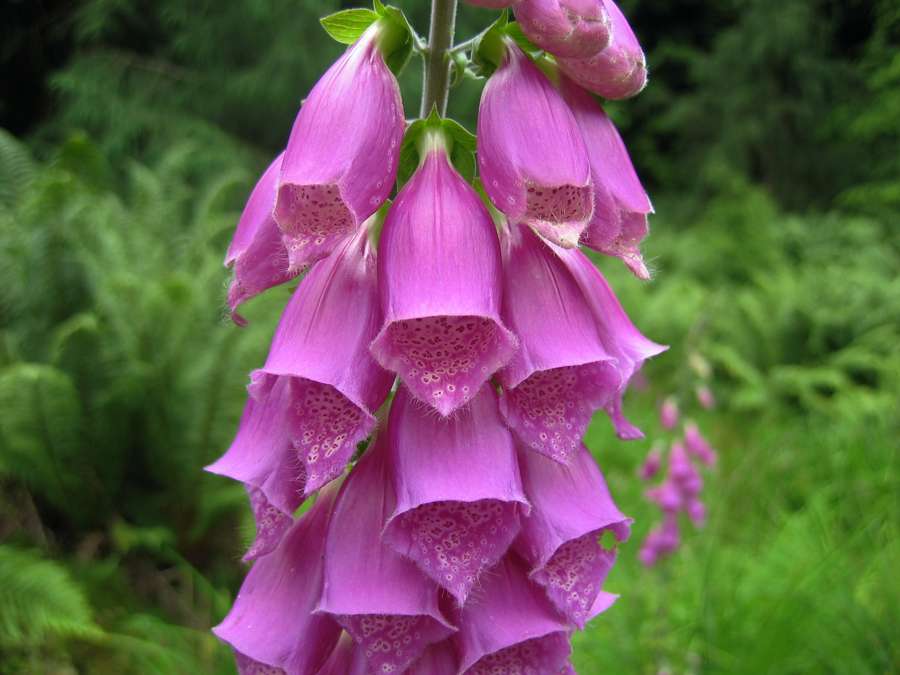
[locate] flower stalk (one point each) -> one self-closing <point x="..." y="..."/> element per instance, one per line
<point x="437" y="58"/>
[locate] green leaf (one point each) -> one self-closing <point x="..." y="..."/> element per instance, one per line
<point x="462" y="147"/>
<point x="39" y="601"/>
<point x="515" y="32"/>
<point x="489" y="47"/>
<point x="402" y="40"/>
<point x="409" y="154"/>
<point x="42" y="434"/>
<point x="346" y="27"/>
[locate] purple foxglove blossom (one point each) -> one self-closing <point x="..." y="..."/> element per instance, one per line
<point x="621" y="205"/>
<point x="341" y="159"/>
<point x="705" y="397"/>
<point x="697" y="445"/>
<point x="258" y="253"/>
<point x="263" y="458"/>
<point x="561" y="373"/>
<point x="621" y="340"/>
<point x="438" y="659"/>
<point x="439" y="280"/>
<point x="272" y="621"/>
<point x="668" y="414"/>
<point x="668" y="495"/>
<point x="458" y="489"/>
<point x="322" y="347"/>
<point x="683" y="472"/>
<point x="247" y="666"/>
<point x="661" y="540"/>
<point x="513" y="628"/>
<point x="574" y="29"/>
<point x="560" y="540"/>
<point x="651" y="465"/>
<point x="375" y="594"/>
<point x="533" y="165"/>
<point x="620" y="70"/>
<point x="603" y="602"/>
<point x="696" y="511"/>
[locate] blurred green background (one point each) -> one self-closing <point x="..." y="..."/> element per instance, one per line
<point x="769" y="140"/>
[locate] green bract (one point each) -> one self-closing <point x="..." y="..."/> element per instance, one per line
<point x="396" y="39"/>
<point x="460" y="147"/>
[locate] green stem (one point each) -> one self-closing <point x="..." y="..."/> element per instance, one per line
<point x="437" y="59"/>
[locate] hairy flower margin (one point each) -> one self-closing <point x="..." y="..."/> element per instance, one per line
<point x="434" y="373"/>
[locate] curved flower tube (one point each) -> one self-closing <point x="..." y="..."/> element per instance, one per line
<point x="341" y="159"/>
<point x="459" y="493"/>
<point x="620" y="70"/>
<point x="561" y="373"/>
<point x="573" y="29"/>
<point x="533" y="165"/>
<point x="439" y="280"/>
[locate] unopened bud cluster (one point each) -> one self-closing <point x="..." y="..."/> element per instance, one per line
<point x="461" y="338"/>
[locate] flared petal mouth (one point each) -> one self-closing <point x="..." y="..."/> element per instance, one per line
<point x="314" y="219"/>
<point x="545" y="654"/>
<point x="271" y="524"/>
<point x="551" y="409"/>
<point x="455" y="542"/>
<point x="559" y="213"/>
<point x="444" y="360"/>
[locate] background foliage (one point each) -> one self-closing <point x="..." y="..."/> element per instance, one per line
<point x="769" y="140"/>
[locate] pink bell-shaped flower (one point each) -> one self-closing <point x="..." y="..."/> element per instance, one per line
<point x="574" y="29"/>
<point x="341" y="159"/>
<point x="561" y="373"/>
<point x="532" y="160"/>
<point x="571" y="508"/>
<point x="378" y="596"/>
<point x="621" y="340"/>
<point x="513" y="628"/>
<point x="458" y="488"/>
<point x="439" y="280"/>
<point x="257" y="251"/>
<point x="272" y="621"/>
<point x="621" y="205"/>
<point x="322" y="346"/>
<point x="620" y="70"/>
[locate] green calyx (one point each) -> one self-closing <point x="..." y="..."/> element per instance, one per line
<point x="425" y="135"/>
<point x="491" y="46"/>
<point x="395" y="38"/>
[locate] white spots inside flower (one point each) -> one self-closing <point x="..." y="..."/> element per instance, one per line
<point x="324" y="427"/>
<point x="314" y="219"/>
<point x="532" y="657"/>
<point x="552" y="408"/>
<point x="391" y="642"/>
<point x="271" y="524"/>
<point x="454" y="542"/>
<point x="566" y="208"/>
<point x="445" y="356"/>
<point x="247" y="666"/>
<point x="574" y="575"/>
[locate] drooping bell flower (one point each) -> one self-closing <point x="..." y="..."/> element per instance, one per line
<point x="661" y="540"/>
<point x="561" y="373"/>
<point x="620" y="70"/>
<point x="621" y="340"/>
<point x="272" y="621"/>
<point x="513" y="628"/>
<point x="651" y="465"/>
<point x="458" y="489"/>
<point x="621" y="205"/>
<point x="322" y="347"/>
<point x="560" y="539"/>
<point x="257" y="251"/>
<point x="439" y="281"/>
<point x="705" y="397"/>
<point x="533" y="164"/>
<point x="574" y="29"/>
<point x="378" y="596"/>
<point x="341" y="159"/>
<point x="668" y="413"/>
<point x="263" y="458"/>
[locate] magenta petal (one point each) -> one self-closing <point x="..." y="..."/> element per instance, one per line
<point x="247" y="666"/>
<point x="271" y="621"/>
<point x="257" y="251"/>
<point x="439" y="279"/>
<point x="561" y="373"/>
<point x="512" y="627"/>
<point x="571" y="508"/>
<point x="322" y="346"/>
<point x="697" y="445"/>
<point x="603" y="602"/>
<point x="378" y="596"/>
<point x="271" y="524"/>
<point x="458" y="489"/>
<point x="341" y="159"/>
<point x="572" y="28"/>
<point x="262" y="455"/>
<point x="620" y="70"/>
<point x="621" y="340"/>
<point x="438" y="659"/>
<point x="533" y="165"/>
